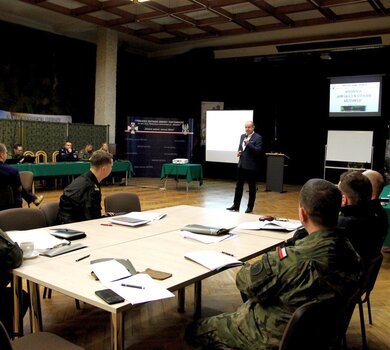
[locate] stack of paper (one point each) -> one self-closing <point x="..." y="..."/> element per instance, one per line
<point x="136" y="218"/>
<point x="137" y="288"/>
<point x="41" y="237"/>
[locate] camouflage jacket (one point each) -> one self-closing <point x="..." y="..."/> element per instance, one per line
<point x="320" y="266"/>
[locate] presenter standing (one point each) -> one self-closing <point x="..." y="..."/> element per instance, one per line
<point x="248" y="152"/>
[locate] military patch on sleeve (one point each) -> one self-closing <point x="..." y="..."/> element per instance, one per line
<point x="282" y="252"/>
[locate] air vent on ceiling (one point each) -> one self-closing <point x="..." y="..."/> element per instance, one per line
<point x="334" y="44"/>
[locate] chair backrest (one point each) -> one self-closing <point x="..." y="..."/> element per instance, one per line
<point x="50" y="211"/>
<point x="369" y="276"/>
<point x="41" y="156"/>
<point x="122" y="202"/>
<point x="29" y="153"/>
<point x="27" y="179"/>
<point x="5" y="342"/>
<point x="21" y="219"/>
<point x="6" y="197"/>
<point x="316" y="325"/>
<point x="35" y="341"/>
<point x="54" y="156"/>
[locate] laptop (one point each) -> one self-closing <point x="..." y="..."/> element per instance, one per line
<point x="28" y="159"/>
<point x="12" y="161"/>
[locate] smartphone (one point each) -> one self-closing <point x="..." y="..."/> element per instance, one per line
<point x="109" y="296"/>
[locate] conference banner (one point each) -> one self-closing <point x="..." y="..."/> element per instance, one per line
<point x="151" y="142"/>
<point x="36" y="117"/>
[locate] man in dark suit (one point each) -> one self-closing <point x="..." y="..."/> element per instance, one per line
<point x="248" y="152"/>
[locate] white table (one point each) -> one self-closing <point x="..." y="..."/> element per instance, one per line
<point x="157" y="245"/>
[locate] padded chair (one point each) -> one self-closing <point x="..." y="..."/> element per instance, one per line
<point x="35" y="341"/>
<point x="29" y="153"/>
<point x="50" y="211"/>
<point x="27" y="180"/>
<point x="41" y="156"/>
<point x="368" y="283"/>
<point x="6" y="197"/>
<point x="21" y="219"/>
<point x="316" y="325"/>
<point x="120" y="202"/>
<point x="54" y="156"/>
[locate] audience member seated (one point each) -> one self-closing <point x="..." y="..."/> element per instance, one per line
<point x="81" y="199"/>
<point x="10" y="176"/>
<point x="321" y="266"/>
<point x="86" y="153"/>
<point x="358" y="217"/>
<point x="67" y="153"/>
<point x="17" y="152"/>
<point x="378" y="182"/>
<point x="104" y="147"/>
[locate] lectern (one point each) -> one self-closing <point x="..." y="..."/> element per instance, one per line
<point x="275" y="171"/>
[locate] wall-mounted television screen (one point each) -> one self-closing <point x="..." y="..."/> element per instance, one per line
<point x="223" y="131"/>
<point x="355" y="96"/>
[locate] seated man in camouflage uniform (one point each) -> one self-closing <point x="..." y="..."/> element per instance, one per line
<point x="320" y="266"/>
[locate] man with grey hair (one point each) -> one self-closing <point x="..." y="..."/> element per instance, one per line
<point x="81" y="199"/>
<point x="321" y="266"/>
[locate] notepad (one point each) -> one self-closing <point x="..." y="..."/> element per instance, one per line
<point x="125" y="220"/>
<point x="212" y="259"/>
<point x="206" y="230"/>
<point x="280" y="225"/>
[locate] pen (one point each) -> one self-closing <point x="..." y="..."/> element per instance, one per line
<point x="106" y="224"/>
<point x="132" y="286"/>
<point x="226" y="253"/>
<point x="83" y="257"/>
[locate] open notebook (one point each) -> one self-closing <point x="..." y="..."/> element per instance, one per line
<point x="212" y="259"/>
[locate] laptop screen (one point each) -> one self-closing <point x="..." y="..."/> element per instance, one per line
<point x="28" y="159"/>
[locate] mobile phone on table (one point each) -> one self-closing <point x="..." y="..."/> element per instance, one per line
<point x="109" y="296"/>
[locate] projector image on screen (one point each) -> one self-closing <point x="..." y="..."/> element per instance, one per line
<point x="180" y="161"/>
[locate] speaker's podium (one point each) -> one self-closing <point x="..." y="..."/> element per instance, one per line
<point x="275" y="171"/>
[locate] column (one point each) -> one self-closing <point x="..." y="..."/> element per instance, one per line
<point x="105" y="89"/>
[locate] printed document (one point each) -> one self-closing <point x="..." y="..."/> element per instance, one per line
<point x="139" y="288"/>
<point x="212" y="259"/>
<point x="283" y="225"/>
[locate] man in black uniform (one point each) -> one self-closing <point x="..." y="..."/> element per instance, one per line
<point x="67" y="153"/>
<point x="82" y="198"/>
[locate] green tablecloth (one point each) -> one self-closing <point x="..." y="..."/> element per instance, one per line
<point x="190" y="171"/>
<point x="70" y="168"/>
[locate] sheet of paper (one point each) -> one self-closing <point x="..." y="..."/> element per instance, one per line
<point x="288" y="225"/>
<point x="150" y="289"/>
<point x="110" y="270"/>
<point x="213" y="260"/>
<point x="206" y="238"/>
<point x="145" y="215"/>
<point x="41" y="237"/>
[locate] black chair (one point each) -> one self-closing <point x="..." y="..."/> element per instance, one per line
<point x="368" y="282"/>
<point x="316" y="325"/>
